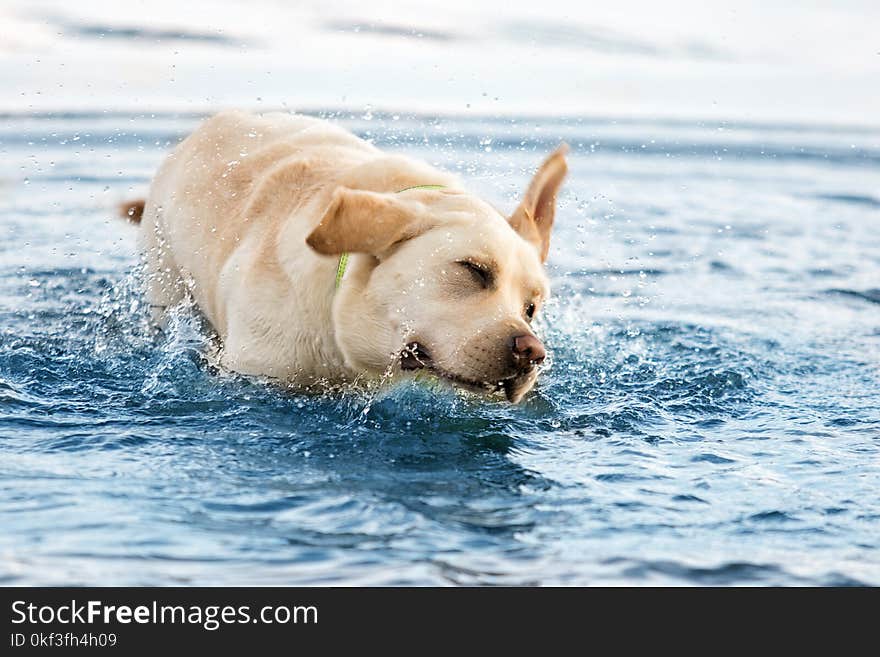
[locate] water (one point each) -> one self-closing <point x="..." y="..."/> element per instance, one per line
<point x="710" y="413"/>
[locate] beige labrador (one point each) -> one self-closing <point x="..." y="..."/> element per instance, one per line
<point x="251" y="215"/>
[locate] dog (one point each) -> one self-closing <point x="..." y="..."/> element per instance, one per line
<point x="320" y="260"/>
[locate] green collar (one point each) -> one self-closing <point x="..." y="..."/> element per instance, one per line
<point x="340" y="269"/>
<point x="343" y="259"/>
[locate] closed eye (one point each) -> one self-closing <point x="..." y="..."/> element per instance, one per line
<point x="481" y="273"/>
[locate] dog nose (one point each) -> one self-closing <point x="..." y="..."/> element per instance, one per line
<point x="528" y="350"/>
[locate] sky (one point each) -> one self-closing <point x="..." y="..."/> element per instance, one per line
<point x="768" y="61"/>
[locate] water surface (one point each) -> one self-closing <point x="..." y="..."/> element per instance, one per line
<point x="710" y="413"/>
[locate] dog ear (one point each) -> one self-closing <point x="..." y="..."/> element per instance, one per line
<point x="358" y="221"/>
<point x="533" y="218"/>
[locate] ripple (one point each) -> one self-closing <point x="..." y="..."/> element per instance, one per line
<point x="857" y="199"/>
<point x="711" y="458"/>
<point x="727" y="574"/>
<point x="872" y="295"/>
<point x="772" y="516"/>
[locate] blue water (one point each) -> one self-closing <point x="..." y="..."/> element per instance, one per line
<point x="710" y="413"/>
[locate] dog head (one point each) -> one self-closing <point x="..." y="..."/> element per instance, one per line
<point x="446" y="282"/>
